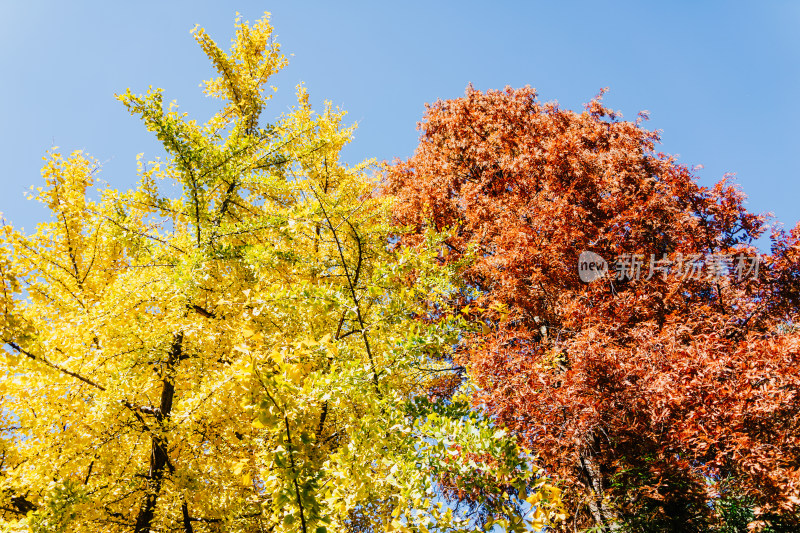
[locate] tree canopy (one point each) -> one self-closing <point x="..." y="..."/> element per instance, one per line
<point x="658" y="393"/>
<point x="244" y="356"/>
<point x="536" y="321"/>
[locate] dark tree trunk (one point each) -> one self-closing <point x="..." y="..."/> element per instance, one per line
<point x="159" y="460"/>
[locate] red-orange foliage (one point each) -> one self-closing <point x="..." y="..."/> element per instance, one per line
<point x="637" y="390"/>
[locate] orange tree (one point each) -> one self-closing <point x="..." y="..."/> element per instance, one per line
<point x="664" y="394"/>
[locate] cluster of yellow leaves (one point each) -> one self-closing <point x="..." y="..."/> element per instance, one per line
<point x="239" y="358"/>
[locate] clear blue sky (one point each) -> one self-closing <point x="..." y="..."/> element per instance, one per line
<point x="721" y="79"/>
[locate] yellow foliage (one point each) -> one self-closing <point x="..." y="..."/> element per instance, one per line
<point x="232" y="355"/>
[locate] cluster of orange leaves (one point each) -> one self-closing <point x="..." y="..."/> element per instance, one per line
<point x="633" y="389"/>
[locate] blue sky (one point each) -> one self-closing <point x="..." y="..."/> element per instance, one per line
<point x="721" y="79"/>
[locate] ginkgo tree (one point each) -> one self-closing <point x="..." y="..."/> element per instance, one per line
<point x="246" y="356"/>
